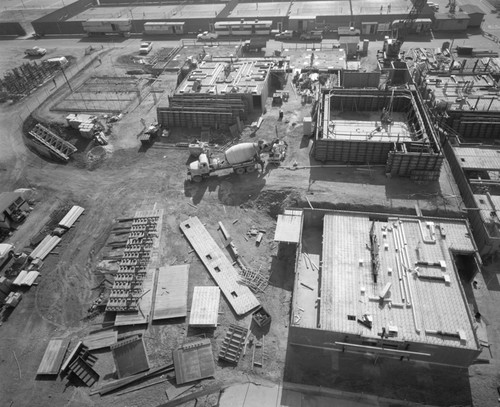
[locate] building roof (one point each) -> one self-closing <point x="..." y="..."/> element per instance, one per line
<point x="472" y="9"/>
<point x="475" y="158"/>
<point x="312" y="9"/>
<point x="418" y="304"/>
<point x="288" y="227"/>
<point x="271" y="9"/>
<point x="156" y="12"/>
<point x="449" y="16"/>
<point x="245" y="76"/>
<point x="7" y="199"/>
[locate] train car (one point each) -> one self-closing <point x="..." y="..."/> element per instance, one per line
<point x="242" y="28"/>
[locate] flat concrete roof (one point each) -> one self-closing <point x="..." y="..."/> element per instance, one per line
<point x="418" y="301"/>
<point x="475" y="158"/>
<point x="246" y="76"/>
<point x="421" y="304"/>
<point x="312" y="9"/>
<point x="178" y="12"/>
<point x="249" y="10"/>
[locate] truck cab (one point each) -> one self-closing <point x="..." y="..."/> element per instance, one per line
<point x="284" y="35"/>
<point x="200" y="168"/>
<point x="207" y="36"/>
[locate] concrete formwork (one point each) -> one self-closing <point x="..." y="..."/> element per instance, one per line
<point x="413" y="154"/>
<point x="487" y="243"/>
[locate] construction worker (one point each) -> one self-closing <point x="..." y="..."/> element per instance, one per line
<point x="281" y="115"/>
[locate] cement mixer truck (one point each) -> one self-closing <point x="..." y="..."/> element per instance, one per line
<point x="241" y="158"/>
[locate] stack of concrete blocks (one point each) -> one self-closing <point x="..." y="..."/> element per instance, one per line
<point x="83" y="122"/>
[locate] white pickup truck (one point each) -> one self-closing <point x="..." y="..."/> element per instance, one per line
<point x="207" y="36"/>
<point x="35" y="52"/>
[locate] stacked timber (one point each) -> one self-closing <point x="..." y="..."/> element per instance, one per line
<point x="45" y="247"/>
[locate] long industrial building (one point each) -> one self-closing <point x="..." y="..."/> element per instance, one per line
<point x="383" y="285"/>
<point x="377" y="127"/>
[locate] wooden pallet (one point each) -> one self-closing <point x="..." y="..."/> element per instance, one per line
<point x="81" y="369"/>
<point x="233" y="343"/>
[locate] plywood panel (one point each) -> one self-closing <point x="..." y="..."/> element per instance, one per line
<point x="53" y="357"/>
<point x="239" y="296"/>
<point x="205" y="306"/>
<point x="171" y="292"/>
<point x="100" y="340"/>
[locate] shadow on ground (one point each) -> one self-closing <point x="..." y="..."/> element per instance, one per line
<point x="388" y="378"/>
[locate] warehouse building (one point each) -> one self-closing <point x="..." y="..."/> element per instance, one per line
<point x="377" y="127"/>
<point x="383" y="285"/>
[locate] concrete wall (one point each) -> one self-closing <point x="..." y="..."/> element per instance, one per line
<point x="321" y="339"/>
<point x="485" y="243"/>
<point x="55" y="23"/>
<point x="11" y="28"/>
<point x="354" y="79"/>
<point x="452" y="24"/>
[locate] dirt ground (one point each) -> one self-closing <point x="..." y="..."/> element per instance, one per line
<point x="128" y="177"/>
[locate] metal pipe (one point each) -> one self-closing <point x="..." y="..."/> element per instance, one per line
<point x="398" y="266"/>
<point x="404" y="266"/>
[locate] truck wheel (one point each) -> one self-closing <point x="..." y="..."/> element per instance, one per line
<point x="239" y="171"/>
<point x="250" y="169"/>
<point x="197" y="178"/>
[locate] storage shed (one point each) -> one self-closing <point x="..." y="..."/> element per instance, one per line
<point x="475" y="13"/>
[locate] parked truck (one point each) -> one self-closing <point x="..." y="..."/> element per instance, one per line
<point x="254" y="44"/>
<point x="117" y="26"/>
<point x="241" y="158"/>
<point x="35" y="52"/>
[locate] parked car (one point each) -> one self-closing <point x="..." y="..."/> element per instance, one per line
<point x="35" y="51"/>
<point x="207" y="36"/>
<point x="312" y="36"/>
<point x="146" y="47"/>
<point x="284" y="35"/>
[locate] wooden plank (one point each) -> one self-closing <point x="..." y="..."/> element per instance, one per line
<point x="71" y="356"/>
<point x="205" y="306"/>
<point x="53" y="357"/>
<point x="100" y="340"/>
<point x="171" y="292"/>
<point x="241" y="299"/>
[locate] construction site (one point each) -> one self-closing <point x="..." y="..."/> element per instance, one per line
<point x="189" y="220"/>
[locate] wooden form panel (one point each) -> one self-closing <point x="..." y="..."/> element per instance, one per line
<point x="53" y="357"/>
<point x="205" y="306"/>
<point x="194" y="361"/>
<point x="100" y="340"/>
<point x="239" y="296"/>
<point x="130" y="357"/>
<point x="171" y="292"/>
